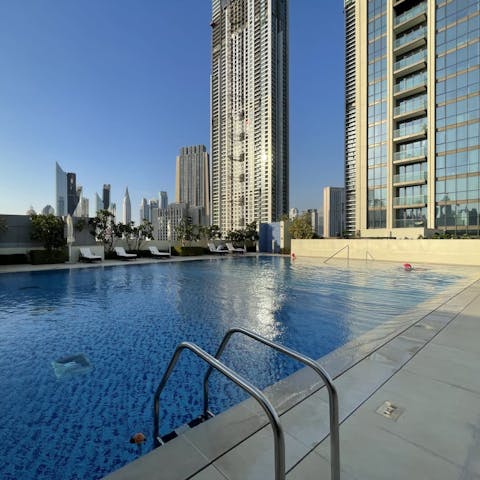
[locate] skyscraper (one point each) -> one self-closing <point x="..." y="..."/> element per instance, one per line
<point x="144" y="210"/>
<point x="66" y="191"/>
<point x="193" y="178"/>
<point x="249" y="110"/>
<point x="333" y="211"/>
<point x="106" y="196"/>
<point x="61" y="191"/>
<point x="412" y="117"/>
<point x="98" y="203"/>
<point x="163" y="200"/>
<point x="82" y="208"/>
<point x="127" y="208"/>
<point x="72" y="195"/>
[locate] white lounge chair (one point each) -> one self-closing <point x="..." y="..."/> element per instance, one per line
<point x="156" y="253"/>
<point x="86" y="255"/>
<point x="232" y="249"/>
<point x="219" y="249"/>
<point x="121" y="253"/>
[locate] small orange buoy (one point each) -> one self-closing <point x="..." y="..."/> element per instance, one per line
<point x="293" y="256"/>
<point x="138" y="438"/>
<point x="407" y="267"/>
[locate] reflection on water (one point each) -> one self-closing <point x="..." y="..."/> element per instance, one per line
<point x="128" y="320"/>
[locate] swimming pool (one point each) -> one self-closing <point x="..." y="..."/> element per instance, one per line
<point x="128" y="320"/>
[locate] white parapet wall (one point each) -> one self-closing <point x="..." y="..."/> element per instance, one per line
<point x="441" y="251"/>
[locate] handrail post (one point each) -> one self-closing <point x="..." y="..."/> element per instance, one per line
<point x="278" y="436"/>
<point x="332" y="392"/>
<point x="338" y="251"/>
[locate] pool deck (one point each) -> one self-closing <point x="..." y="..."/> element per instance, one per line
<point x="429" y="370"/>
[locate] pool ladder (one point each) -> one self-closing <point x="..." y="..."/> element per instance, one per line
<point x="273" y="417"/>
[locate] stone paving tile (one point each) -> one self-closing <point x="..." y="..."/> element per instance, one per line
<point x="316" y="467"/>
<point x="373" y="453"/>
<point x="210" y="473"/>
<point x="176" y="460"/>
<point x="254" y="459"/>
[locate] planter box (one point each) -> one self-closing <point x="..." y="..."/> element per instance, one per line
<point x="189" y="251"/>
<point x="41" y="257"/>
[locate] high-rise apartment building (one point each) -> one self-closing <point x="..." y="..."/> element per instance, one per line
<point x="127" y="208"/>
<point x="333" y="211"/>
<point x="249" y="112"/>
<point x="193" y="178"/>
<point x="412" y="117"/>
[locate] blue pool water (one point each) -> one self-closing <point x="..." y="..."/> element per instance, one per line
<point x="127" y="322"/>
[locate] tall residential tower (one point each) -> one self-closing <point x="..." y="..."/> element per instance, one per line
<point x="412" y="117"/>
<point x="249" y="112"/>
<point x="193" y="178"/>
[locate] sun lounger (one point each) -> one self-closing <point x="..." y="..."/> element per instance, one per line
<point x="86" y="255"/>
<point x="232" y="249"/>
<point x="121" y="253"/>
<point x="220" y="249"/>
<point x="156" y="253"/>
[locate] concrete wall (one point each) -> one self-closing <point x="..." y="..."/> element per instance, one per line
<point x="448" y="251"/>
<point x="17" y="238"/>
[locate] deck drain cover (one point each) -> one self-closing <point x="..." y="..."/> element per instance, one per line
<point x="71" y="365"/>
<point x="389" y="410"/>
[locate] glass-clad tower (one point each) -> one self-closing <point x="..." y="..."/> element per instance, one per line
<point x="249" y="112"/>
<point x="415" y="166"/>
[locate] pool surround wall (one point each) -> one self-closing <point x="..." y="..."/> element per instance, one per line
<point x="441" y="251"/>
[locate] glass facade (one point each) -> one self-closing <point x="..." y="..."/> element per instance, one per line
<point x="417" y="158"/>
<point x="377" y="114"/>
<point x="410" y="127"/>
<point x="457" y="116"/>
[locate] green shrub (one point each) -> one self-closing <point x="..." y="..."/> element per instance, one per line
<point x="40" y="257"/>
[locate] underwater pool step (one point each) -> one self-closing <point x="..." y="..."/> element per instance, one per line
<point x="184" y="428"/>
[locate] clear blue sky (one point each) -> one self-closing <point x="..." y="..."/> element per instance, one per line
<point x="111" y="89"/>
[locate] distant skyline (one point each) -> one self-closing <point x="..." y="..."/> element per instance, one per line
<point x="111" y="90"/>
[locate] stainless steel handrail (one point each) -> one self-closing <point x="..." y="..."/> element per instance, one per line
<point x="278" y="437"/>
<point x="332" y="392"/>
<point x="343" y="248"/>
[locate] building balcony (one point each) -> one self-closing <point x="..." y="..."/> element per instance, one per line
<point x="409" y="223"/>
<point x="412" y="156"/>
<point x="410" y="64"/>
<point x="410" y="133"/>
<point x="410" y="86"/>
<point x="410" y="109"/>
<point x="415" y="178"/>
<point x="413" y="40"/>
<point x="410" y="18"/>
<point x="413" y="201"/>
